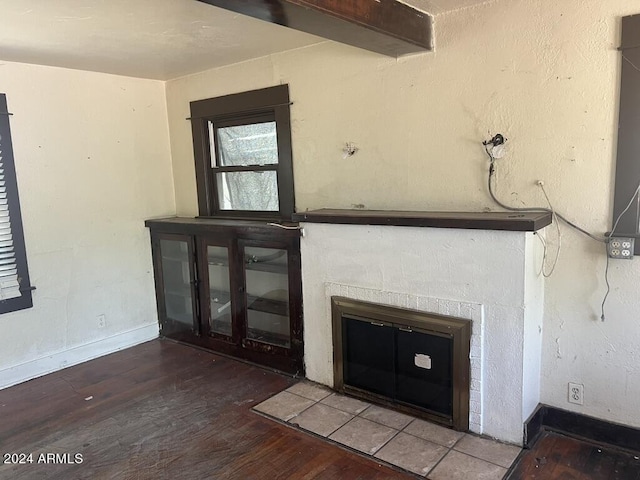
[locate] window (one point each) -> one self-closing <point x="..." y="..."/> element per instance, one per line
<point x="15" y="290"/>
<point x="628" y="161"/>
<point x="242" y="150"/>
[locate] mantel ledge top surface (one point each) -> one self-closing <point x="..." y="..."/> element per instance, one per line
<point x="510" y="221"/>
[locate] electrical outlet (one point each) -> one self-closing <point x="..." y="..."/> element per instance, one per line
<point x="102" y="321"/>
<point x="576" y="393"/>
<point x="621" y="247"/>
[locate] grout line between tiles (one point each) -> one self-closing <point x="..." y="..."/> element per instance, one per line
<point x="359" y="415"/>
<point x="327" y="437"/>
<point x="485" y="460"/>
<point x="299" y="396"/>
<point x="383" y="445"/>
<point x="437" y="463"/>
<point x="427" y="440"/>
<point x="342" y="410"/>
<point x="383" y="424"/>
<point x="336" y="443"/>
<point x="457" y="442"/>
<point x="453" y="447"/>
<point x="313" y="400"/>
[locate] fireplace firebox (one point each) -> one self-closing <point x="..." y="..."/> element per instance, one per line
<point x="415" y="361"/>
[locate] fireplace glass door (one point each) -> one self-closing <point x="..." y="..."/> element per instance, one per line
<point x="415" y="361"/>
<point x="424" y="370"/>
<point x="369" y="356"/>
<point x="399" y="363"/>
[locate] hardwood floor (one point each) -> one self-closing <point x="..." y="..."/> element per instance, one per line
<point x="163" y="411"/>
<point x="557" y="457"/>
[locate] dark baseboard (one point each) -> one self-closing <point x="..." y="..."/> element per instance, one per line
<point x="533" y="426"/>
<point x="581" y="426"/>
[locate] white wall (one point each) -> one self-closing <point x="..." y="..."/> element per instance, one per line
<point x="93" y="162"/>
<point x="542" y="72"/>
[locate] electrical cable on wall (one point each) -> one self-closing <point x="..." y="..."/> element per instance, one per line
<point x="555" y="219"/>
<point x="492" y="170"/>
<point x="498" y="140"/>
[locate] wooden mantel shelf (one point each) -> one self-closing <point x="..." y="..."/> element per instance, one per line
<point x="512" y="221"/>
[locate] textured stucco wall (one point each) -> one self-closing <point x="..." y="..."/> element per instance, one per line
<point x="93" y="162"/>
<point x="542" y="72"/>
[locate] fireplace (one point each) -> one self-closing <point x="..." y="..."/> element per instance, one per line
<point x="415" y="361"/>
<point x="475" y="271"/>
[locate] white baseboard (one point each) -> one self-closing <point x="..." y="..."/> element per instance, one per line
<point x="75" y="355"/>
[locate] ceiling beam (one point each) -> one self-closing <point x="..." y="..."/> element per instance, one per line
<point x="383" y="26"/>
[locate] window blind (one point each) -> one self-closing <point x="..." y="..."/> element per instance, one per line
<point x="9" y="285"/>
<point x="15" y="290"/>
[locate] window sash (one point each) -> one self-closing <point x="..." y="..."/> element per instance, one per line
<point x="258" y="106"/>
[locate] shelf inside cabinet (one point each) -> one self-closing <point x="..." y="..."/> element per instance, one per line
<point x="270" y="338"/>
<point x="250" y="265"/>
<point x="180" y="291"/>
<point x="175" y="259"/>
<point x="183" y="317"/>
<point x="268" y="305"/>
<point x="260" y="304"/>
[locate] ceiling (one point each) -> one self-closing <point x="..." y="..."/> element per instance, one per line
<point x="160" y="39"/>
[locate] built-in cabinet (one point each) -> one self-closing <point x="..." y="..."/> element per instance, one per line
<point x="231" y="286"/>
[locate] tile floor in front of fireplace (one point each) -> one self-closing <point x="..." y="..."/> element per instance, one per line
<point x="415" y="445"/>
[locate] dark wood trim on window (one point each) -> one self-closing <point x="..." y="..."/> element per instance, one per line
<point x="628" y="160"/>
<point x="256" y="106"/>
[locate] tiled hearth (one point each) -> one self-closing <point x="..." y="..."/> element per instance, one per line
<point x="412" y="444"/>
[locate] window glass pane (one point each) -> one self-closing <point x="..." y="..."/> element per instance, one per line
<point x="267" y="295"/>
<point x="256" y="191"/>
<point x="219" y="296"/>
<point x="253" y="144"/>
<point x="176" y="278"/>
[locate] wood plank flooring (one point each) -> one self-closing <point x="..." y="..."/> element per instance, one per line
<point x="164" y="411"/>
<point x="557" y="457"/>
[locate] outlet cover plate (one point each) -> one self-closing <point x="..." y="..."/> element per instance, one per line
<point x="621" y="247"/>
<point x="576" y="393"/>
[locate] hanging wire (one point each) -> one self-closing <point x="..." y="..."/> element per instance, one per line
<point x="630" y="62"/>
<point x="606" y="294"/>
<point x="605" y="239"/>
<point x="544" y="253"/>
<point x="555" y="216"/>
<point x="492" y="170"/>
<point x="606" y="270"/>
<point x="615" y="224"/>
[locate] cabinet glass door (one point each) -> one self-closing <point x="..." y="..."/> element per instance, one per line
<point x="177" y="278"/>
<point x="267" y="290"/>
<point x="220" y="311"/>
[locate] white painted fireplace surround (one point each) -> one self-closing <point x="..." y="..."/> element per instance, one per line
<point x="487" y="276"/>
